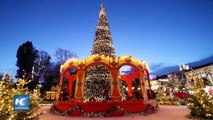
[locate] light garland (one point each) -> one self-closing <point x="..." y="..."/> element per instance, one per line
<point x="149" y="109"/>
<point x="8" y="90"/>
<point x="200" y="102"/>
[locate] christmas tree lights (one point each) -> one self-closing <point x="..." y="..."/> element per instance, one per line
<point x="7" y="91"/>
<point x="97" y="86"/>
<point x="200" y="101"/>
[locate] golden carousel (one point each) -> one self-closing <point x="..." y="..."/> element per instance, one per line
<point x="70" y="101"/>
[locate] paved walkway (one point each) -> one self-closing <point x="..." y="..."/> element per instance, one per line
<point x="164" y="113"/>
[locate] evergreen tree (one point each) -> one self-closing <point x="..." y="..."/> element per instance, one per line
<point x="97" y="86"/>
<point x="200" y="101"/>
<point x="26" y="55"/>
<point x="103" y="41"/>
<point x="8" y="90"/>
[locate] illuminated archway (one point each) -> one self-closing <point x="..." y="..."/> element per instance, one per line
<point x="112" y="63"/>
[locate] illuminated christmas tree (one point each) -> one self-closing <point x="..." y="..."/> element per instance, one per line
<point x="97" y="86"/>
<point x="200" y="101"/>
<point x="7" y="91"/>
<point x="103" y="41"/>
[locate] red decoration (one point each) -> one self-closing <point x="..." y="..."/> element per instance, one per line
<point x="182" y="94"/>
<point x="108" y="108"/>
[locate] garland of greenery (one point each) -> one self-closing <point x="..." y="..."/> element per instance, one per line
<point x="149" y="109"/>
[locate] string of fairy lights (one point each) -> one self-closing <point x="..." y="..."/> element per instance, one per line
<point x="149" y="109"/>
<point x="7" y="91"/>
<point x="97" y="86"/>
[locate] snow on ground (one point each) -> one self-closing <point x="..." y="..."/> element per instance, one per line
<point x="164" y="113"/>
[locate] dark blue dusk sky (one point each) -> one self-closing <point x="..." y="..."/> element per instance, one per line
<point x="161" y="32"/>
